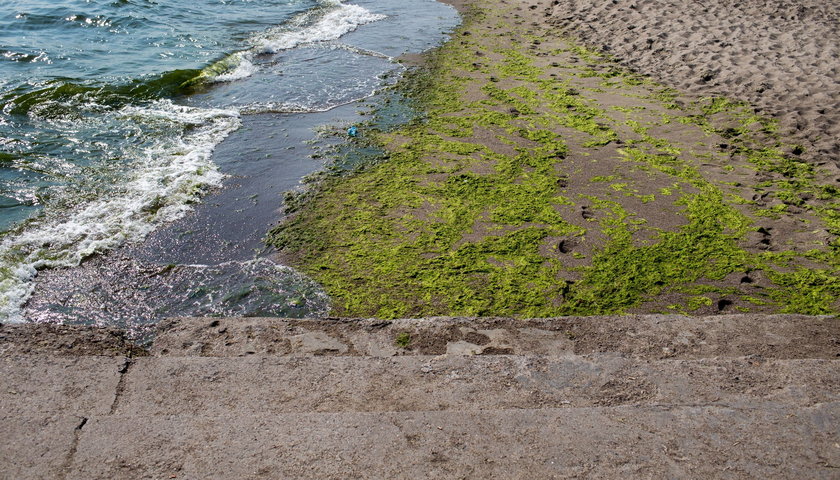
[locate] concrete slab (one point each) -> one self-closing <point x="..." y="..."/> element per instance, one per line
<point x="615" y="442"/>
<point x="37" y="446"/>
<point x="73" y="340"/>
<point x="84" y="385"/>
<point x="650" y="336"/>
<point x="271" y="385"/>
<point x="618" y="397"/>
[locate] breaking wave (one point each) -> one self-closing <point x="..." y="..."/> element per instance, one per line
<point x="329" y="22"/>
<point x="156" y="184"/>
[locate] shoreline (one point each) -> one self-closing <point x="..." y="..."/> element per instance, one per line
<point x="213" y="261"/>
<point x="548" y="180"/>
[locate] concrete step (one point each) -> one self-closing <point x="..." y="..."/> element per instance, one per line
<point x="605" y="442"/>
<point x="85" y="385"/>
<point x="166" y="386"/>
<point x="651" y="336"/>
<point x="70" y="340"/>
<point x="630" y="397"/>
<point x="269" y="385"/>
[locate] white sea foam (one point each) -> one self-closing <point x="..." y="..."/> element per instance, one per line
<point x="166" y="177"/>
<point x="243" y="68"/>
<point x="282" y="107"/>
<point x="334" y="24"/>
<point x="329" y="22"/>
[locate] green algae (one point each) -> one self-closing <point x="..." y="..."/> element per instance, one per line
<point x="624" y="275"/>
<point x="808" y="291"/>
<point x="442" y="224"/>
<point x="403" y="340"/>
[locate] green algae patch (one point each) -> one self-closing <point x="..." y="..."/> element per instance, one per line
<point x="808" y="291"/>
<point x="536" y="188"/>
<point x="624" y="275"/>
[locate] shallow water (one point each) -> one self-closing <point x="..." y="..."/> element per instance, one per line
<point x="113" y="125"/>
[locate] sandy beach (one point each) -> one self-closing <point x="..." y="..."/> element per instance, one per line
<point x="554" y="234"/>
<point x="782" y="57"/>
<point x="546" y="178"/>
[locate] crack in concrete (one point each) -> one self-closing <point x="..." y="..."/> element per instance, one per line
<point x="127" y="363"/>
<point x="74" y="446"/>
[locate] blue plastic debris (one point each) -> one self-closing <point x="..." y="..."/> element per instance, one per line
<point x="352" y="131"/>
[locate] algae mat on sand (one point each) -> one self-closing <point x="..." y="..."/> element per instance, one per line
<point x="542" y="179"/>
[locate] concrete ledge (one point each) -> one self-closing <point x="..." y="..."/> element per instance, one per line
<point x="275" y="385"/>
<point x="610" y="397"/>
<point x="62" y="385"/>
<point x="74" y="340"/>
<point x="38" y="446"/>
<point x="617" y="442"/>
<point x="653" y="336"/>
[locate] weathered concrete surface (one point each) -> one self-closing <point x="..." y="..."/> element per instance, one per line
<point x="74" y="340"/>
<point x="648" y="397"/>
<point x="654" y="336"/>
<point x="218" y="386"/>
<point x="59" y="384"/>
<point x="617" y="442"/>
<point x="37" y="445"/>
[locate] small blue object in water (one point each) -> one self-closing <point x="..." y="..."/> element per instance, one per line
<point x="352" y="131"/>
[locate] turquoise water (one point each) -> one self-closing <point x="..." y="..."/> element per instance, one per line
<point x="67" y="61"/>
<point x="110" y="110"/>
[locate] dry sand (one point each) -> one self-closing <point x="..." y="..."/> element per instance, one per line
<point x="781" y="56"/>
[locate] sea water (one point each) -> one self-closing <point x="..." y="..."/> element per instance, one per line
<point x="113" y="119"/>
